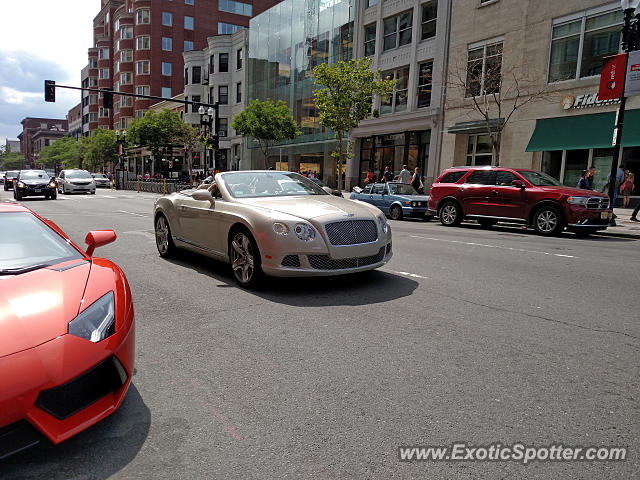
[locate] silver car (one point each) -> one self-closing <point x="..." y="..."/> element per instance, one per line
<point x="277" y="223"/>
<point x="101" y="180"/>
<point x="75" y="180"/>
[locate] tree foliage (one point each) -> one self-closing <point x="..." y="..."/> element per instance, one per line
<point x="99" y="149"/>
<point x="344" y="97"/>
<point x="156" y="130"/>
<point x="267" y="122"/>
<point x="11" y="160"/>
<point x="64" y="152"/>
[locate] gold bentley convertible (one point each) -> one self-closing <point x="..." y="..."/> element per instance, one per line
<point x="272" y="222"/>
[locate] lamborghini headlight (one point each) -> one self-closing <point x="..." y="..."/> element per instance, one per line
<point x="304" y="232"/>
<point x="97" y="322"/>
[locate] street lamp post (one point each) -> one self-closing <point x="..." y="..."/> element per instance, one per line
<point x="120" y="139"/>
<point x="209" y="126"/>
<point x="630" y="42"/>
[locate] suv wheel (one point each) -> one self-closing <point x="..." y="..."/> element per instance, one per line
<point x="548" y="221"/>
<point x="450" y="214"/>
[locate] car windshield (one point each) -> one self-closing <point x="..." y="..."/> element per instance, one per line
<point x="99" y="175"/>
<point x="540" y="179"/>
<point x="269" y="184"/>
<point x="79" y="174"/>
<point x="402" y="189"/>
<point x="34" y="175"/>
<point x="29" y="244"/>
<point x="11" y="173"/>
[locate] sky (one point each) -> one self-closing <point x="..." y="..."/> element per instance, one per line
<point x="41" y="40"/>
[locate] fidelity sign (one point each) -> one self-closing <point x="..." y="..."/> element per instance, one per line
<point x="585" y="101"/>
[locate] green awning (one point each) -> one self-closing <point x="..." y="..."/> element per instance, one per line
<point x="584" y="131"/>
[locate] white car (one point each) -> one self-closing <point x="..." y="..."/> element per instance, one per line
<point x="277" y="223"/>
<point x="75" y="180"/>
<point x="101" y="180"/>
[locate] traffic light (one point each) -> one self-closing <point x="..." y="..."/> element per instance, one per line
<point x="215" y="139"/>
<point x="218" y="155"/>
<point x="49" y="91"/>
<point x="107" y="98"/>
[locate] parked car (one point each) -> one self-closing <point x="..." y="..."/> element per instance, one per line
<point x="396" y="200"/>
<point x="493" y="194"/>
<point x="273" y="222"/>
<point x="31" y="183"/>
<point x="101" y="180"/>
<point x="2" y="177"/>
<point x="75" y="180"/>
<point x="9" y="177"/>
<point x="66" y="332"/>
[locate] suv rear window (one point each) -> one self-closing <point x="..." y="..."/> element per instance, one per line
<point x="482" y="177"/>
<point x="453" y="177"/>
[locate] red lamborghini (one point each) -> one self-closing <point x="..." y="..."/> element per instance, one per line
<point x="66" y="331"/>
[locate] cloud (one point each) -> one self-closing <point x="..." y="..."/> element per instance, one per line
<point x="27" y="72"/>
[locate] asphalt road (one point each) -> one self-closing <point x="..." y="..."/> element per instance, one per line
<point x="472" y="335"/>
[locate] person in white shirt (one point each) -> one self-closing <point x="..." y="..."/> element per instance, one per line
<point x="405" y="175"/>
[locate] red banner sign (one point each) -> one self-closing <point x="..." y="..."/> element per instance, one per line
<point x="612" y="78"/>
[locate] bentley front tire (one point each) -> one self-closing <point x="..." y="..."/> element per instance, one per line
<point x="245" y="258"/>
<point x="164" y="242"/>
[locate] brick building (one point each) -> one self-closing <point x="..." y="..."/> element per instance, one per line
<point x="38" y="133"/>
<point x="74" y="120"/>
<point x="138" y="46"/>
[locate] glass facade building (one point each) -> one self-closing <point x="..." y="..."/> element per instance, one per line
<point x="286" y="43"/>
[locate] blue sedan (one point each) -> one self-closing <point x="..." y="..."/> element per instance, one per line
<point x="396" y="200"/>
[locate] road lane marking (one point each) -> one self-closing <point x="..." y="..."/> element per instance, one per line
<point x="501" y="247"/>
<point x="132" y="213"/>
<point x="406" y="274"/>
<point x="146" y="234"/>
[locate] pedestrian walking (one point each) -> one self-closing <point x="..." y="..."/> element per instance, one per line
<point x="626" y="189"/>
<point x="591" y="176"/>
<point x="387" y="176"/>
<point x="405" y="175"/>
<point x="583" y="183"/>
<point x="416" y="181"/>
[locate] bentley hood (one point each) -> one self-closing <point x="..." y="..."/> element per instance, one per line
<point x="37" y="306"/>
<point x="313" y="207"/>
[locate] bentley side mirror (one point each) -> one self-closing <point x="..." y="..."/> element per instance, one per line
<point x="98" y="238"/>
<point x="517" y="184"/>
<point x="328" y="190"/>
<point x="204" y="195"/>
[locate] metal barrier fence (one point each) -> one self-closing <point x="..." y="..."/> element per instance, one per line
<point x="163" y="187"/>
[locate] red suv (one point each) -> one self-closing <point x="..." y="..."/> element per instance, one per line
<point x="493" y="194"/>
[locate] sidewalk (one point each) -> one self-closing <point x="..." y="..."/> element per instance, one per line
<point x="624" y="226"/>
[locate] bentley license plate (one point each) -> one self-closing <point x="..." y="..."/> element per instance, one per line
<point x="604" y="215"/>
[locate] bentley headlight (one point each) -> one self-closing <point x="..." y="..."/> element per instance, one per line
<point x="97" y="322"/>
<point x="384" y="225"/>
<point x="304" y="232"/>
<point x="281" y="228"/>
<point x="577" y="200"/>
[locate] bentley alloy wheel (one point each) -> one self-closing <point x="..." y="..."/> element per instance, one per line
<point x="245" y="258"/>
<point x="163" y="237"/>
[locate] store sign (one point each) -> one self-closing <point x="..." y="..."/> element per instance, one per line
<point x="633" y="75"/>
<point x="612" y="78"/>
<point x="569" y="102"/>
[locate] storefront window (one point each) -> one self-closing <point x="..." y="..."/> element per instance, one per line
<point x="576" y="162"/>
<point x="631" y="162"/>
<point x="602" y="158"/>
<point x="552" y="163"/>
<point x="479" y="150"/>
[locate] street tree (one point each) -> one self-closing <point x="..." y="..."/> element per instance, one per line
<point x="63" y="152"/>
<point x="344" y="98"/>
<point x="493" y="93"/>
<point x="100" y="149"/>
<point x="157" y="130"/>
<point x="267" y="122"/>
<point x="11" y="160"/>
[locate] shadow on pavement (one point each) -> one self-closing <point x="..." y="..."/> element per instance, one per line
<point x="98" y="452"/>
<point x="365" y="288"/>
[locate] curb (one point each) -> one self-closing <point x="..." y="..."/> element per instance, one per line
<point x="618" y="234"/>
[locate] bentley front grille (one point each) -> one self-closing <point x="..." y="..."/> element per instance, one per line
<point x="351" y="232"/>
<point x="324" y="262"/>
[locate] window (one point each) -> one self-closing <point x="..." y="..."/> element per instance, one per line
<point x="103" y="53"/>
<point x="453" y="177"/>
<point x="167" y="44"/>
<point x="195" y="103"/>
<point x="139" y="114"/>
<point x="126" y="78"/>
<point x="167" y="19"/>
<point x="223" y="94"/>
<point x="188" y="22"/>
<point x="239" y="59"/>
<point x="166" y="92"/>
<point x="142" y="67"/>
<point x="125" y="101"/>
<point x="126" y="33"/>
<point x="93" y="99"/>
<point x="116" y="68"/>
<point x="371" y="3"/>
<point x="93" y="62"/>
<point x="425" y="80"/>
<point x="482" y="177"/>
<point x="429" y="19"/>
<point x="117" y="46"/>
<point x="142" y="90"/>
<point x="484" y="69"/>
<point x="232" y="6"/>
<point x="196" y="73"/>
<point x="186" y="76"/>
<point x="188" y="45"/>
<point x="142" y="16"/>
<point x="104" y="112"/>
<point x="479" y="151"/>
<point x="143" y="42"/>
<point x="370" y="40"/>
<point x="578" y="47"/>
<point x="223" y="126"/>
<point x="103" y="73"/>
<point x="211" y="63"/>
<point x="223" y="62"/>
<point x="188" y="2"/>
<point x="93" y="117"/>
<point x="239" y="92"/>
<point x="116" y="26"/>
<point x="126" y="56"/>
<point x="397" y="30"/>
<point x="504" y="179"/>
<point x="228" y="28"/>
<point x="397" y="101"/>
<point x="166" y="68"/>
